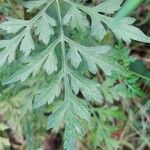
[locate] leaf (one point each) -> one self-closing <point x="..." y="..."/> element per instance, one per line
<point x="122" y="55"/>
<point x="28" y="135"/>
<point x="108" y="6"/>
<point x="51" y="63"/>
<point x="109" y="113"/>
<point x="133" y="86"/>
<point x="75" y="19"/>
<point x="72" y="129"/>
<point x="13" y="25"/>
<point x="31" y="5"/>
<point x="87" y="87"/>
<point x="23" y="73"/>
<point x="26" y="97"/>
<point x="27" y="43"/>
<point x="8" y="54"/>
<point x="5" y="43"/>
<point x="103" y="133"/>
<point x="35" y="65"/>
<point x="97" y="29"/>
<point x="44" y="28"/>
<point x="74" y="56"/>
<point x="123" y="29"/>
<point x="112" y="91"/>
<point x="48" y="92"/>
<point x="80" y="108"/>
<point x="97" y="56"/>
<point x="57" y="116"/>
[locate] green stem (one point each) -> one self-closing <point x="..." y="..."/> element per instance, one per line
<point x="141" y="76"/>
<point x="64" y="57"/>
<point x="127" y="8"/>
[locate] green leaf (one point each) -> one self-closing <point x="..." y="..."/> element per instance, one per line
<point x="27" y="43"/>
<point x="26" y="97"/>
<point x="9" y="47"/>
<point x="8" y="54"/>
<point x="5" y="43"/>
<point x="112" y="91"/>
<point x="123" y="29"/>
<point x="108" y="6"/>
<point x="80" y="107"/>
<point x="98" y="56"/>
<point x="102" y="135"/>
<point x="21" y="74"/>
<point x="51" y="63"/>
<point x="44" y="28"/>
<point x="88" y="88"/>
<point x="35" y="65"/>
<point x="133" y="86"/>
<point x="13" y="25"/>
<point x="48" y="92"/>
<point x="72" y="129"/>
<point x="28" y="135"/>
<point x="31" y="5"/>
<point x="109" y="113"/>
<point x="74" y="56"/>
<point x="97" y="29"/>
<point x="57" y="116"/>
<point x="75" y="19"/>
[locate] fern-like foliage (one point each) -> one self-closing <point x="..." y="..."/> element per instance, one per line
<point x="63" y="58"/>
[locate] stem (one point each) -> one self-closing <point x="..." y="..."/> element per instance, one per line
<point x="64" y="57"/>
<point x="141" y="76"/>
<point x="128" y="7"/>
